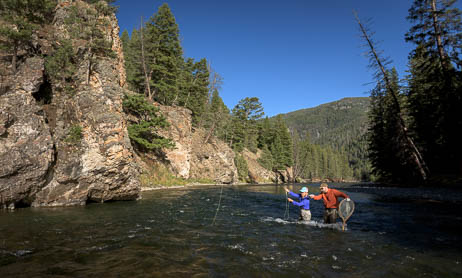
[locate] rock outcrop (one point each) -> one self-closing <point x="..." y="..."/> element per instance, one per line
<point x="59" y="148"/>
<point x="257" y="173"/>
<point x="192" y="158"/>
<point x="27" y="153"/>
<point x="213" y="160"/>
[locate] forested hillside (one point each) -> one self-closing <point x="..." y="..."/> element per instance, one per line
<point x="341" y="125"/>
<point x="157" y="69"/>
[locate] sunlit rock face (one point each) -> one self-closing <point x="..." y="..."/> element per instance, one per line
<point x="60" y="148"/>
<point x="192" y="158"/>
<point x="26" y="144"/>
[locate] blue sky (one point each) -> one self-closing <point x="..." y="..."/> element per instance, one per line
<point x="292" y="54"/>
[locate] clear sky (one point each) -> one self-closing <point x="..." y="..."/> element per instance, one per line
<point x="291" y="54"/>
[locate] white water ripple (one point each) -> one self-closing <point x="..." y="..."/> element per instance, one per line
<point x="312" y="223"/>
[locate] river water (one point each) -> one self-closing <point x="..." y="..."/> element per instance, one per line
<point x="172" y="233"/>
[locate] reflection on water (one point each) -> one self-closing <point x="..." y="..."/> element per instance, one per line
<point x="170" y="233"/>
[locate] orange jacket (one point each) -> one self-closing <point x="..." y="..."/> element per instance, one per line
<point x="330" y="198"/>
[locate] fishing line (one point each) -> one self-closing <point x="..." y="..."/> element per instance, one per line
<point x="287" y="209"/>
<point x="218" y="208"/>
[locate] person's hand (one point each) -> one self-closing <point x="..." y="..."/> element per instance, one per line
<point x="290" y="200"/>
<point x="311" y="196"/>
<point x="287" y="190"/>
<point x="348" y="199"/>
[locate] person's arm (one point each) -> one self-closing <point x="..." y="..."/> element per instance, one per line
<point x="338" y="193"/>
<point x="316" y="197"/>
<point x="294" y="194"/>
<point x="302" y="203"/>
<point x="297" y="203"/>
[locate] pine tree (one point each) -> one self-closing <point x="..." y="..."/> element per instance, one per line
<point x="133" y="64"/>
<point x="125" y="39"/>
<point x="286" y="141"/>
<point x="193" y="88"/>
<point x="165" y="55"/>
<point x="390" y="160"/>
<point x="405" y="143"/>
<point x="20" y="19"/>
<point x="277" y="152"/>
<point x="246" y="114"/>
<point x="266" y="158"/>
<point x="437" y="29"/>
<point x="143" y="131"/>
<point x="84" y="24"/>
<point x="61" y="66"/>
<point x="216" y="117"/>
<point x="265" y="133"/>
<point x="435" y="82"/>
<point x="242" y="167"/>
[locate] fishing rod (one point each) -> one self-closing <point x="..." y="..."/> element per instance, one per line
<point x="287" y="208"/>
<point x="218" y="207"/>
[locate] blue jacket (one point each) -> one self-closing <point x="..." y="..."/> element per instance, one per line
<point x="304" y="203"/>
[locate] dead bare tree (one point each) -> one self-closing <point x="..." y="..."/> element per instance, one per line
<point x="379" y="63"/>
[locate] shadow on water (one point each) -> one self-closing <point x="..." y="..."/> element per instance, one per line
<point x="169" y="233"/>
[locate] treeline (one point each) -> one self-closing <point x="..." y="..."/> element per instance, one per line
<point x="156" y="68"/>
<point x="318" y="162"/>
<point x="415" y="123"/>
<point x="156" y="71"/>
<point x="341" y="126"/>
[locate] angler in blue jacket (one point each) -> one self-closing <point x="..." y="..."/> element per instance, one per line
<point x="304" y="204"/>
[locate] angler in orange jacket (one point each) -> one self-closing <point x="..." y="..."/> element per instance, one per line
<point x="330" y="197"/>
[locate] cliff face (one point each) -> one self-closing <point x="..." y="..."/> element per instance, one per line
<point x="257" y="173"/>
<point x="63" y="146"/>
<point x="191" y="157"/>
<point x="59" y="148"/>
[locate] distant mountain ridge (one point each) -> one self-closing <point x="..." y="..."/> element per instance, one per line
<point x="340" y="124"/>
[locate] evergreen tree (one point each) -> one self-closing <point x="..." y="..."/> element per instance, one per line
<point x="437" y="28"/>
<point x="242" y="167"/>
<point x="390" y="160"/>
<point x="133" y="64"/>
<point x="20" y="20"/>
<point x="277" y="152"/>
<point x="265" y="133"/>
<point x="405" y="142"/>
<point x="85" y="24"/>
<point x="143" y="131"/>
<point x="125" y="39"/>
<point x="245" y="129"/>
<point x="61" y="66"/>
<point x="193" y="88"/>
<point x="266" y="158"/>
<point x="216" y="117"/>
<point x="435" y="82"/>
<point x="286" y="141"/>
<point x="165" y="55"/>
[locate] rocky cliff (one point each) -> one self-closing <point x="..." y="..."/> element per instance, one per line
<point x="65" y="146"/>
<point x="192" y="158"/>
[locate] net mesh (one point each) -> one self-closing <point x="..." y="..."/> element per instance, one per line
<point x="346" y="209"/>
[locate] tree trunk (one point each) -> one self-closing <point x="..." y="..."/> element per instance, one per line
<point x="210" y="133"/>
<point x="89" y="65"/>
<point x="417" y="157"/>
<point x="439" y="44"/>
<point x="143" y="61"/>
<point x="14" y="59"/>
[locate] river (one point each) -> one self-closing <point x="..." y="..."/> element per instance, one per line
<point x="172" y="233"/>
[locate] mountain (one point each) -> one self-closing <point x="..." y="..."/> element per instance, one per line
<point x="340" y="124"/>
